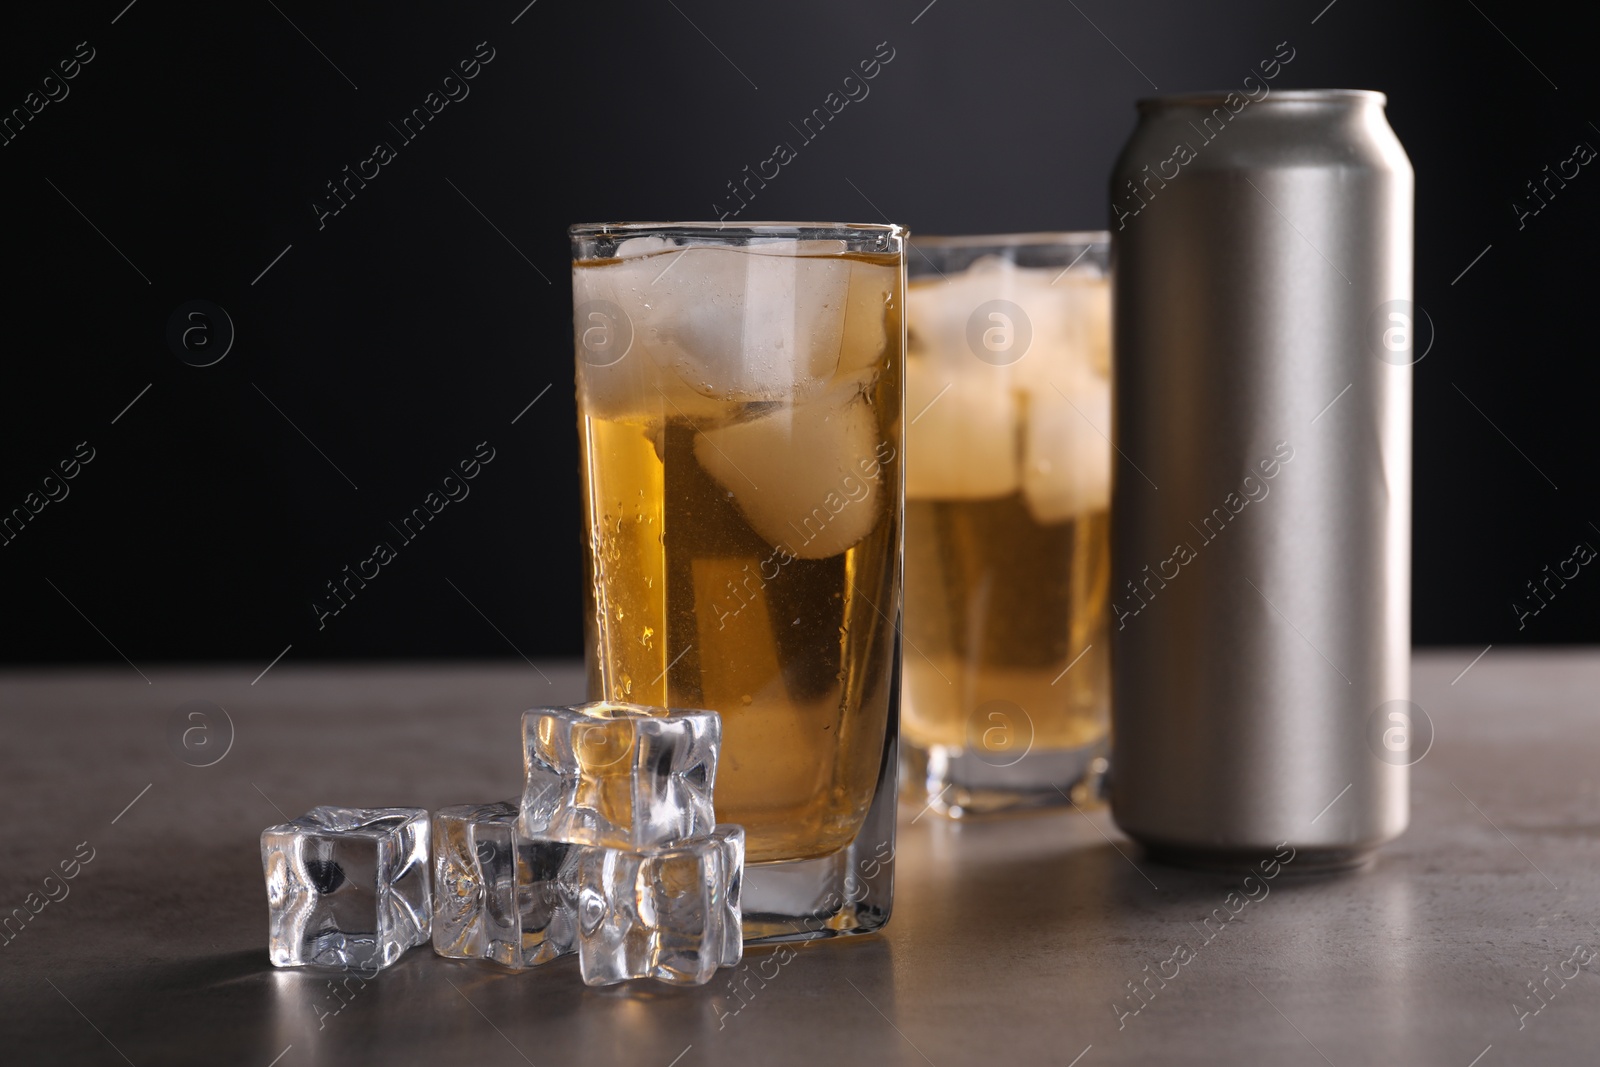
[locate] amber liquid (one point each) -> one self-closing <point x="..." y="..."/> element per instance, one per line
<point x="998" y="606"/>
<point x="692" y="607"/>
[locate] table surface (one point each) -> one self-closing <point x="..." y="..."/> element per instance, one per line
<point x="1010" y="943"/>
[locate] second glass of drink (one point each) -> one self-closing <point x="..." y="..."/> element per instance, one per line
<point x="1008" y="473"/>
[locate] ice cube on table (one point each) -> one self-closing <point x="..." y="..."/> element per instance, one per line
<point x="498" y="893"/>
<point x="347" y="887"/>
<point x="670" y="913"/>
<point x="963" y="434"/>
<point x="618" y="775"/>
<point x="810" y="476"/>
<point x="1066" y="458"/>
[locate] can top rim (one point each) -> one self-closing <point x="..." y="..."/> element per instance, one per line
<point x="1005" y="240"/>
<point x="1285" y="96"/>
<point x="733" y="229"/>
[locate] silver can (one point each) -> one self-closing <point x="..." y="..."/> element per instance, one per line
<point x="1263" y="338"/>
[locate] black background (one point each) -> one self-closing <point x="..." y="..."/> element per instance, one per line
<point x="425" y="316"/>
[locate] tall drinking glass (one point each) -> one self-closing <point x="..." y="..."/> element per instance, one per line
<point x="740" y="414"/>
<point x="1008" y="472"/>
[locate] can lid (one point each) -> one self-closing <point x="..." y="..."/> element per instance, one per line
<point x="1284" y="96"/>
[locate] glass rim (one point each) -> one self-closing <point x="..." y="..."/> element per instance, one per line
<point x="1015" y="240"/>
<point x="841" y="230"/>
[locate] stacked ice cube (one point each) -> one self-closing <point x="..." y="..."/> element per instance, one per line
<point x="613" y="852"/>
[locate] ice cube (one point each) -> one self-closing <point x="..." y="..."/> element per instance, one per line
<point x="347" y="887"/>
<point x="962" y="434"/>
<point x="1071" y="320"/>
<point x="962" y="437"/>
<point x="937" y="312"/>
<point x="619" y="775"/>
<point x="1067" y="313"/>
<point x="762" y="322"/>
<point x="1095" y="320"/>
<point x="867" y="316"/>
<point x="635" y="247"/>
<point x="807" y="476"/>
<point x="620" y="376"/>
<point x="1066" y="458"/>
<point x="670" y="913"/>
<point x="499" y="894"/>
<point x="682" y="330"/>
<point x="972" y="441"/>
<point x="750" y="325"/>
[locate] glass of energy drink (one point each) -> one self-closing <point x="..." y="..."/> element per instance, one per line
<point x="1007" y="561"/>
<point x="740" y="414"/>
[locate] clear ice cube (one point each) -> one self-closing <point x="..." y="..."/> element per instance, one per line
<point x="619" y="775"/>
<point x="669" y="913"/>
<point x="499" y="894"/>
<point x="347" y="887"/>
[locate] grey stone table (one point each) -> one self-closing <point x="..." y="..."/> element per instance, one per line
<point x="1011" y="942"/>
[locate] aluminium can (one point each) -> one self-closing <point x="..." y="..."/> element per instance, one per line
<point x="1263" y="337"/>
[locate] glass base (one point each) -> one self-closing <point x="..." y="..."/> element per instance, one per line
<point x="848" y="892"/>
<point x="959" y="785"/>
